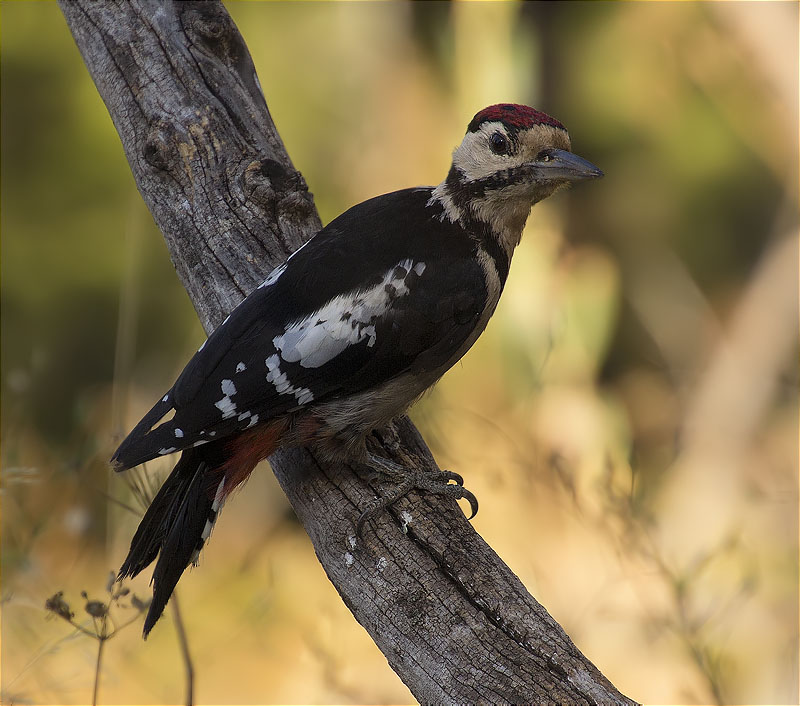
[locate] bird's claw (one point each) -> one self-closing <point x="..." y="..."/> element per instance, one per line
<point x="436" y="483"/>
<point x="473" y="502"/>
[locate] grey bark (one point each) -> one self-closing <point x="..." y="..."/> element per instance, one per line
<point x="452" y="619"/>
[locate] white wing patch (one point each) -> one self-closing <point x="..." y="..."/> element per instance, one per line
<point x="281" y="382"/>
<point x="344" y="321"/>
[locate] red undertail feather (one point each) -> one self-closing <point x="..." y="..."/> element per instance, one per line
<point x="247" y="450"/>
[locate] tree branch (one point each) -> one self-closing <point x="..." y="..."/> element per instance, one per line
<point x="452" y="619"/>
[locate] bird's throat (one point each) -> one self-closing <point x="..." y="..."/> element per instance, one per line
<point x="477" y="208"/>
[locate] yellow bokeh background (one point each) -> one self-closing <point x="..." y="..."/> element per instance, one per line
<point x="628" y="421"/>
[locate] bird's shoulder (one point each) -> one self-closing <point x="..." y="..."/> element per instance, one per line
<point x="395" y="241"/>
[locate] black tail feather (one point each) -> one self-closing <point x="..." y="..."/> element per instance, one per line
<point x="142" y="443"/>
<point x="174" y="526"/>
<point x="154" y="526"/>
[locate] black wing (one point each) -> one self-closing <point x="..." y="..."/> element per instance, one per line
<point x="385" y="288"/>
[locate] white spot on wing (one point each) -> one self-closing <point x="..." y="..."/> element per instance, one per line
<point x="348" y="559"/>
<point x="243" y="416"/>
<point x="253" y="421"/>
<point x="345" y="320"/>
<point x="273" y="276"/>
<point x="226" y="405"/>
<point x="178" y="433"/>
<point x="165" y="451"/>
<point x="241" y="368"/>
<point x="281" y="382"/>
<point x="165" y="398"/>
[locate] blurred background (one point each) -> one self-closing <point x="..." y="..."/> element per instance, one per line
<point x="628" y="421"/>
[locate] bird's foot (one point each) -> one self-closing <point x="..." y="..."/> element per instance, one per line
<point x="435" y="482"/>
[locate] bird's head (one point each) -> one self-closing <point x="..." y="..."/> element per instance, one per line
<point x="511" y="157"/>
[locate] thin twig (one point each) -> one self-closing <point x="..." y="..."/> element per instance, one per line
<point x="124" y="625"/>
<point x="119" y="502"/>
<point x="101" y="642"/>
<point x="82" y="629"/>
<point x="184" y="645"/>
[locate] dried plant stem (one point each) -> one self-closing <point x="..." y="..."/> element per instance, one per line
<point x="184" y="645"/>
<point x="101" y="643"/>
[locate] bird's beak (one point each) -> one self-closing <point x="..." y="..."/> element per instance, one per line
<point x="565" y="166"/>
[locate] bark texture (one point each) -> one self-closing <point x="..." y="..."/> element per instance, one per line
<point x="452" y="619"/>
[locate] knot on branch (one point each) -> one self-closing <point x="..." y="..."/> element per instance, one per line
<point x="277" y="189"/>
<point x="209" y="25"/>
<point x="208" y="20"/>
<point x="157" y="145"/>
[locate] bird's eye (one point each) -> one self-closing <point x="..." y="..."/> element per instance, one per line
<point x="499" y="143"/>
<point x="544" y="156"/>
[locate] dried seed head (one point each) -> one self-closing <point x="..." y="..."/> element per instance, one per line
<point x="57" y="605"/>
<point x="97" y="609"/>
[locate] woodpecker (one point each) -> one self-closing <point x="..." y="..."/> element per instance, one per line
<point x="345" y="335"/>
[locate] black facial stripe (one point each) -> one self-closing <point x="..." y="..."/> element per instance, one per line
<point x="507" y="177"/>
<point x="457" y="182"/>
<point x="491" y="245"/>
<point x="462" y="193"/>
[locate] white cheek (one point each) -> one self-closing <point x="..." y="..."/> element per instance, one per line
<point x="474" y="157"/>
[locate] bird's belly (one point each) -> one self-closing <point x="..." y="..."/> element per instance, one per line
<point x="341" y="426"/>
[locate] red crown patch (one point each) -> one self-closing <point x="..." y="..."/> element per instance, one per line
<point x="514" y="115"/>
